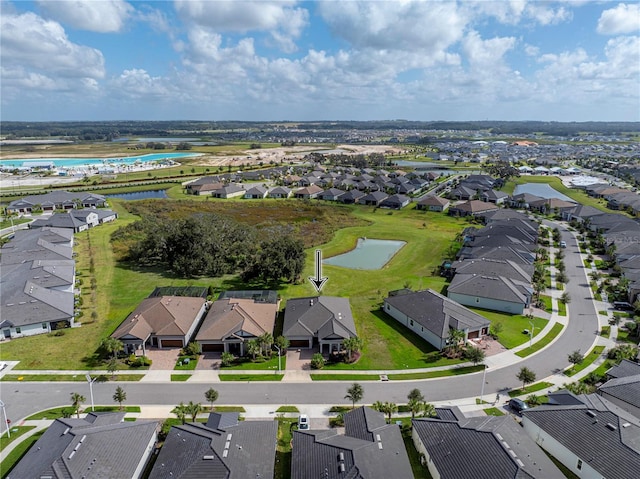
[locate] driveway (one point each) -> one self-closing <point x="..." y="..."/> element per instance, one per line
<point x="163" y="358"/>
<point x="300" y="359"/>
<point x="208" y="362"/>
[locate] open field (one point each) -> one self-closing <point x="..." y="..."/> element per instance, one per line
<point x="513" y="326"/>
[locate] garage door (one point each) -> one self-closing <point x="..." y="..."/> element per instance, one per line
<point x="212" y="348"/>
<point x="171" y="343"/>
<point x="299" y="343"/>
<point x="473" y="334"/>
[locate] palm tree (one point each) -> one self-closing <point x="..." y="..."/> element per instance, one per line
<point x="352" y="345"/>
<point x="180" y="411"/>
<point x="266" y="340"/>
<point x="415" y="406"/>
<point x="120" y="396"/>
<point x="253" y="348"/>
<point x="389" y="408"/>
<point x="428" y="410"/>
<point x="354" y="394"/>
<point x="456" y="336"/>
<point x="112" y="346"/>
<point x="193" y="409"/>
<point x="76" y="401"/>
<point x="211" y="395"/>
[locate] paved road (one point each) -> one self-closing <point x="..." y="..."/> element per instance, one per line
<point x="23" y="399"/>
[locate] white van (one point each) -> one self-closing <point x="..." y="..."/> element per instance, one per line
<point x="303" y="422"/>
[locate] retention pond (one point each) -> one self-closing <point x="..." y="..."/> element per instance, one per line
<point x="368" y="254"/>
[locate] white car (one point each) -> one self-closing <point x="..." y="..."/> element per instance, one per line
<point x="303" y="422"/>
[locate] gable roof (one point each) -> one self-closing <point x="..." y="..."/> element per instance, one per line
<point x="624" y="369"/>
<point x="369" y="449"/>
<point x="318" y="316"/>
<point x="483" y="448"/>
<point x="626" y="389"/>
<point x="101" y="443"/>
<point x="584" y="430"/>
<point x="433" y="200"/>
<point x="161" y="316"/>
<point x="222" y="449"/>
<point x="436" y="312"/>
<point x="494" y="267"/>
<point x="494" y="287"/>
<point x="232" y="315"/>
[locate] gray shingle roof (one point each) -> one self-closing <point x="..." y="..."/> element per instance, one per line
<point x="100" y="446"/>
<point x="613" y="452"/>
<point x="483" y="448"/>
<point x="307" y="316"/>
<point x="624" y="369"/>
<point x="486" y="286"/>
<point x="231" y="450"/>
<point x="626" y="389"/>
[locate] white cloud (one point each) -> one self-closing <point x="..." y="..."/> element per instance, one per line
<point x="32" y="43"/>
<point x="104" y="16"/>
<point x="486" y="53"/>
<point x="282" y="19"/>
<point x="137" y="83"/>
<point x="624" y="18"/>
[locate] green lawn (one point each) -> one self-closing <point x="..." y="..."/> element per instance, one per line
<point x="251" y="377"/>
<point x="180" y="377"/>
<point x="16" y="221"/>
<point x="547" y="302"/>
<point x="513" y="326"/>
<point x="435" y="374"/>
<point x="16" y="432"/>
<point x="587" y="361"/>
<point x="419" y="471"/>
<point x="605" y="332"/>
<point x="344" y="377"/>
<point x="229" y="409"/>
<point x="182" y="366"/>
<point x="562" y="309"/>
<point x="16" y="454"/>
<point x="550" y="336"/>
<point x="287" y="409"/>
<point x="55" y="413"/>
<point x="493" y="411"/>
<point x="66" y="377"/>
<point x="258" y="365"/>
<point x="530" y="389"/>
<point x="283" y="448"/>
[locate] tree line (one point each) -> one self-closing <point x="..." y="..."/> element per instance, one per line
<point x="213" y="245"/>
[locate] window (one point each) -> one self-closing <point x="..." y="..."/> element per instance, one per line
<point x="411" y="322"/>
<point x="579" y="464"/>
<point x="477" y="300"/>
<point x="388" y="307"/>
<point x="18" y="330"/>
<point x="44" y="325"/>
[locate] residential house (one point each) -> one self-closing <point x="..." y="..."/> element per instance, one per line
<point x="162" y="322"/>
<point x="507" y="268"/>
<point x="232" y="190"/>
<point x="625" y="369"/>
<point x="351" y="197"/>
<point x="552" y="205"/>
<point x="494" y="196"/>
<point x="308" y="192"/>
<point x="231" y="322"/>
<point x="496" y="293"/>
<point x="100" y="445"/>
<point x="224" y="447"/>
<point x="202" y="185"/>
<point x="594" y="439"/>
<point x="523" y="200"/>
<point x="280" y="192"/>
<point x="471" y="208"/>
<point x="369" y="449"/>
<point x="462" y="193"/>
<point x="57" y="200"/>
<point x="511" y="253"/>
<point x="77" y="220"/>
<point x="331" y="194"/>
<point x="374" y="198"/>
<point x="624" y="392"/>
<point x="318" y="320"/>
<point x="480" y="448"/>
<point x="256" y="192"/>
<point x="433" y="203"/>
<point x="395" y="202"/>
<point x="432" y="316"/>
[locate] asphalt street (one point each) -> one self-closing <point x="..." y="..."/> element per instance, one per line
<point x="23" y="399"/>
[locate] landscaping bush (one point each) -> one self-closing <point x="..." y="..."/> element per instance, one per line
<point x="138" y="361"/>
<point x="317" y="361"/>
<point x="192" y="349"/>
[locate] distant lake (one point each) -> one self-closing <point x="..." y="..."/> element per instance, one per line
<point x="368" y="254"/>
<point x="542" y="190"/>
<point x="140" y="195"/>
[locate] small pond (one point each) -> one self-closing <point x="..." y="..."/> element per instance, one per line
<point x="368" y="254"/>
<point x="140" y="195"/>
<point x="542" y="190"/>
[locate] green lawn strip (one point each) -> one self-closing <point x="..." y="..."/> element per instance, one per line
<point x="44" y="377"/>
<point x="624" y="337"/>
<point x="229" y="409"/>
<point x="419" y="471"/>
<point x="245" y="364"/>
<point x="513" y="326"/>
<point x="605" y="332"/>
<point x="114" y="409"/>
<point x="188" y="366"/>
<point x="530" y="389"/>
<point x="283" y="448"/>
<point x="287" y="409"/>
<point x="587" y="361"/>
<point x="180" y="377"/>
<point x="547" y="302"/>
<point x="344" y="377"/>
<point x="436" y="374"/>
<point x="493" y="411"/>
<point x="251" y="377"/>
<point x="16" y="432"/>
<point x="16" y="453"/>
<point x="562" y="309"/>
<point x="54" y="413"/>
<point x="603" y="368"/>
<point x="16" y="221"/>
<point x="550" y="336"/>
<point x="568" y="473"/>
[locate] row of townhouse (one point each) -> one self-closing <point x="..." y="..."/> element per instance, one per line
<point x="56" y="201"/>
<point x="235" y="318"/>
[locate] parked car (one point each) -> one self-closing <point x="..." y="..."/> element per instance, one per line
<point x="622" y="306"/>
<point x="303" y="422"/>
<point x="563" y="244"/>
<point x="518" y="405"/>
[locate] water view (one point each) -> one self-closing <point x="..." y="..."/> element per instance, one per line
<point x="368" y="254"/>
<point x="542" y="190"/>
<point x="87" y="162"/>
<point x="140" y="195"/>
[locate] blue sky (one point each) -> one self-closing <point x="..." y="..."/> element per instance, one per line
<point x="570" y="60"/>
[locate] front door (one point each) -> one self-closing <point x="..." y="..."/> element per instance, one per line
<point x="7" y="333"/>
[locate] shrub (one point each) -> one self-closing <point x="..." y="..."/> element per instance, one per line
<point x="191" y="349"/>
<point x="317" y="361"/>
<point x="227" y="359"/>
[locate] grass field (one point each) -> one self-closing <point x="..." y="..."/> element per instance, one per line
<point x="16" y="432"/>
<point x="251" y="377"/>
<point x="180" y="377"/>
<point x="513" y="326"/>
<point x="550" y="336"/>
<point x="493" y="411"/>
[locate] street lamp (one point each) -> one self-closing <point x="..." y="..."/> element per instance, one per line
<point x="6" y="421"/>
<point x="531" y="333"/>
<point x="91" y="380"/>
<point x="279" y="368"/>
<point x="484" y="375"/>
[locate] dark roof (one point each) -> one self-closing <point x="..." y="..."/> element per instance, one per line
<point x="624" y="369"/>
<point x="308" y="316"/>
<point x="231" y="449"/>
<point x="598" y="432"/>
<point x="59" y="197"/>
<point x="483" y="448"/>
<point x="494" y="287"/>
<point x="100" y="446"/>
<point x="495" y="267"/>
<point x="382" y="455"/>
<point x="513" y="253"/>
<point x="436" y="312"/>
<point x="625" y="389"/>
